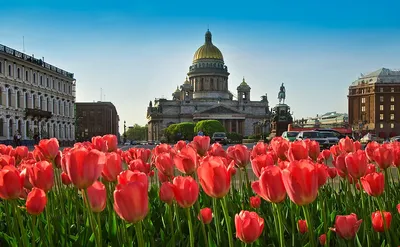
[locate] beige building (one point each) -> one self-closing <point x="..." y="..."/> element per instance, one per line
<point x="36" y="98"/>
<point x="205" y="95"/>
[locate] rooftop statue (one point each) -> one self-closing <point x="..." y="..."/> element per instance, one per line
<point x="282" y="94"/>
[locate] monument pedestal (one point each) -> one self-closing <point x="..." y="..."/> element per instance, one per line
<point x="281" y="118"/>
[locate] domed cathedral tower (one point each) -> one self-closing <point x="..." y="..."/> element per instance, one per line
<point x="208" y="74"/>
<point x="243" y="92"/>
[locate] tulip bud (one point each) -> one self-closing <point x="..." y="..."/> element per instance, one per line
<point x="377" y="220"/>
<point x="97" y="196"/>
<point x="302" y="225"/>
<point x="166" y="193"/>
<point x="322" y="239"/>
<point x="249" y="226"/>
<point x="347" y="226"/>
<point x="255" y="202"/>
<point x="205" y="215"/>
<point x="36" y="201"/>
<point x="65" y="179"/>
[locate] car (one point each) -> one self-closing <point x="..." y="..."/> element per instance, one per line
<point x="220" y="137"/>
<point x="127" y="143"/>
<point x="336" y="133"/>
<point x="370" y="138"/>
<point x="315" y="136"/>
<point x="290" y="135"/>
<point x="395" y="139"/>
<point x="134" y="143"/>
<point x="332" y="138"/>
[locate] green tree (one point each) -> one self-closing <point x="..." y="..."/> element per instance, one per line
<point x="209" y="127"/>
<point x="179" y="131"/>
<point x="136" y="132"/>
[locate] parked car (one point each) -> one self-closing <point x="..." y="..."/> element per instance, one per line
<point x="134" y="143"/>
<point x="370" y="137"/>
<point x="220" y="137"/>
<point x="395" y="139"/>
<point x="332" y="138"/>
<point x="336" y="133"/>
<point x="290" y="135"/>
<point x="315" y="136"/>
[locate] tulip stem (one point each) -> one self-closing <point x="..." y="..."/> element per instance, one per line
<point x="227" y="221"/>
<point x="139" y="234"/>
<point x="292" y="208"/>
<point x="33" y="230"/>
<point x="203" y="229"/>
<point x="310" y="228"/>
<point x="92" y="221"/>
<point x="24" y="236"/>
<point x="246" y="174"/>
<point x="49" y="224"/>
<point x="171" y="223"/>
<point x="217" y="221"/>
<point x="191" y="235"/>
<point x="280" y="221"/>
<point x="388" y="240"/>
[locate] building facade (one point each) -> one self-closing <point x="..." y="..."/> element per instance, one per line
<point x="96" y="119"/>
<point x="205" y="95"/>
<point x="374" y="103"/>
<point x="326" y="120"/>
<point x="36" y="98"/>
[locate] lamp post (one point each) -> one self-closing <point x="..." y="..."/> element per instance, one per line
<point x="124" y="132"/>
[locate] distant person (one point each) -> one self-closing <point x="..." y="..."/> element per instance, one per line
<point x="200" y="133"/>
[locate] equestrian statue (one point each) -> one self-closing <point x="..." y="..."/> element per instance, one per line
<point x="282" y="94"/>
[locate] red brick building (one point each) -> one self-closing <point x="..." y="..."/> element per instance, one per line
<point x="374" y="103"/>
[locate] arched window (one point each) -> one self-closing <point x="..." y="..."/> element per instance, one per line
<point x="18" y="99"/>
<point x="9" y="70"/>
<point x="26" y="75"/>
<point x="54" y="130"/>
<point x="48" y="105"/>
<point x="34" y="101"/>
<point x="27" y="128"/>
<point x="65" y="132"/>
<point x="66" y="112"/>
<point x="41" y="80"/>
<point x="40" y="103"/>
<point x="59" y="108"/>
<point x="34" y="77"/>
<point x="10" y="128"/>
<point x="1" y="127"/>
<point x="19" y="126"/>
<point x="9" y="97"/>
<point x="54" y="106"/>
<point x="26" y="100"/>
<point x="59" y="131"/>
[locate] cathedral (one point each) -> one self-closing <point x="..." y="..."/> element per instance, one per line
<point x="205" y="95"/>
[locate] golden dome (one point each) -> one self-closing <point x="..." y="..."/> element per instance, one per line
<point x="208" y="50"/>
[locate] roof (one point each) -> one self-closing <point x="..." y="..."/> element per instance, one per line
<point x="382" y="75"/>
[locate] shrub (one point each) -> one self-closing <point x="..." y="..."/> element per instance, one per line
<point x="179" y="131"/>
<point x="209" y="127"/>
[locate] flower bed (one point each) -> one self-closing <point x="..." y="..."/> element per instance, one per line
<point x="94" y="194"/>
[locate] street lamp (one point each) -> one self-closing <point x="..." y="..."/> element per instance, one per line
<point x="124" y="132"/>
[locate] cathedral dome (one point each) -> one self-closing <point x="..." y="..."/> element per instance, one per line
<point x="208" y="50"/>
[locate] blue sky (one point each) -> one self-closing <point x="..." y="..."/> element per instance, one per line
<point x="140" y="50"/>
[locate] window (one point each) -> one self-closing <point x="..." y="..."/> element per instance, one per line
<point x="392" y="125"/>
<point x="392" y="107"/>
<point x="381" y="125"/>
<point x="1" y="72"/>
<point x="363" y="108"/>
<point x="26" y="76"/>
<point x="1" y="120"/>
<point x="47" y="81"/>
<point x="18" y="99"/>
<point x="34" y="77"/>
<point x="362" y="100"/>
<point x="53" y="84"/>
<point x="381" y="89"/>
<point x="381" y="107"/>
<point x="41" y="80"/>
<point x="26" y="100"/>
<point x="392" y="99"/>
<point x="392" y="116"/>
<point x="381" y="99"/>
<point x="381" y="116"/>
<point x="9" y="70"/>
<point x="18" y="73"/>
<point x="392" y="89"/>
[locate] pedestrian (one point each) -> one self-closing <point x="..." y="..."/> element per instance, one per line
<point x="200" y="133"/>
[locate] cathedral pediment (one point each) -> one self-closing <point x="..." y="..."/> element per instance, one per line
<point x="220" y="110"/>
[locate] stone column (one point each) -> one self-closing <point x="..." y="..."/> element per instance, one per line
<point x="230" y="125"/>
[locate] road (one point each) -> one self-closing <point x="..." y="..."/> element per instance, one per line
<point x="126" y="147"/>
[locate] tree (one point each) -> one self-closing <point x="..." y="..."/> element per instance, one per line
<point x="209" y="127"/>
<point x="179" y="131"/>
<point x="136" y="132"/>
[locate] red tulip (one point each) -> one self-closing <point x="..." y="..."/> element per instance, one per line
<point x="261" y="161"/>
<point x="205" y="215"/>
<point x="99" y="143"/>
<point x="163" y="178"/>
<point x="112" y="142"/>
<point x="302" y="225"/>
<point x="346" y="226"/>
<point x="332" y="172"/>
<point x="383" y="156"/>
<point x="186" y="160"/>
<point x="179" y="145"/>
<point x="259" y="149"/>
<point x="36" y="201"/>
<point x="166" y="193"/>
<point x="162" y="148"/>
<point x="41" y="175"/>
<point x="201" y="144"/>
<point x="6" y="160"/>
<point x="214" y="177"/>
<point x="65" y="179"/>
<point x="97" y="196"/>
<point x="283" y="164"/>
<point x="335" y="151"/>
<point x="280" y="147"/>
<point x="313" y="150"/>
<point x="112" y="167"/>
<point x="241" y="155"/>
<point x="377" y="220"/>
<point x="84" y="167"/>
<point x="322" y="171"/>
<point x="270" y="186"/>
<point x="131" y="201"/>
<point x="10" y="183"/>
<point x="357" y="145"/>
<point x="255" y="202"/>
<point x="370" y="169"/>
<point x="142" y="154"/>
<point x="373" y="183"/>
<point x="24" y="175"/>
<point x="186" y="191"/>
<point x="396" y="157"/>
<point x="217" y="150"/>
<point x="322" y="239"/>
<point x="301" y="182"/>
<point x="249" y="226"/>
<point x="346" y="145"/>
<point x="21" y="152"/>
<point x="298" y="150"/>
<point x="129" y="176"/>
<point x="49" y="148"/>
<point x="356" y="164"/>
<point x="398" y="208"/>
<point x="340" y="164"/>
<point x="165" y="164"/>
<point x="370" y="149"/>
<point x="139" y="165"/>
